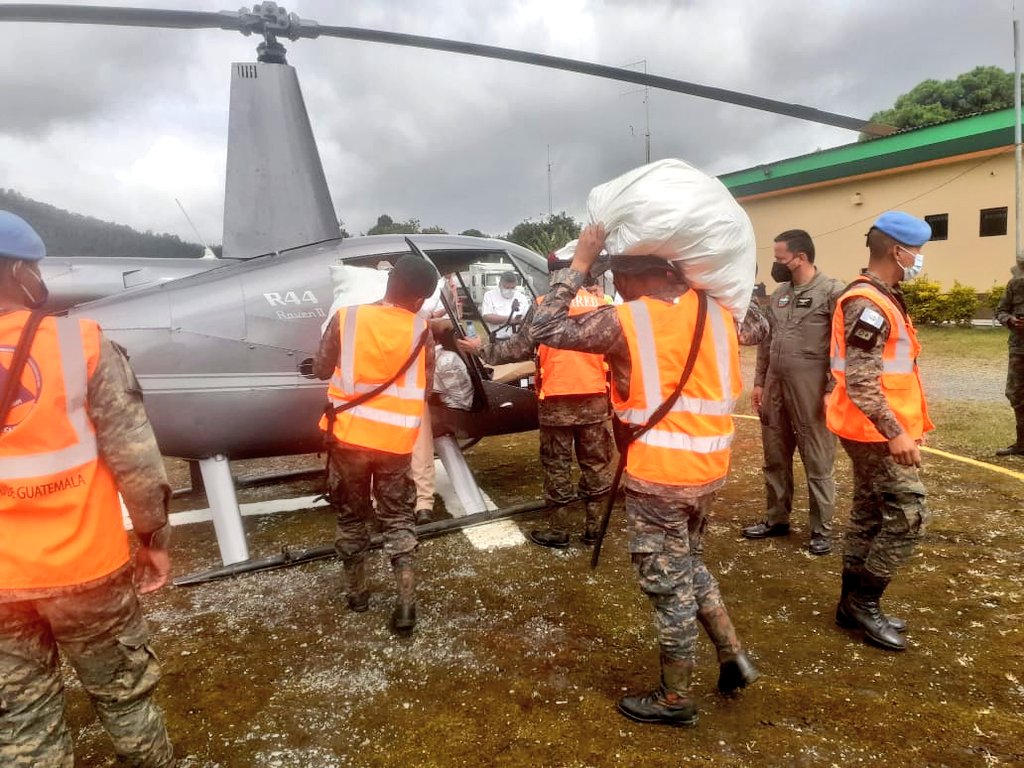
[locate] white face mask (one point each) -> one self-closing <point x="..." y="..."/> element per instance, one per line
<point x="508" y="293"/>
<point x="909" y="273"/>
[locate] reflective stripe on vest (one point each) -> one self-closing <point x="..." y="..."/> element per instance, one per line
<point x="73" y="368"/>
<point x="900" y="380"/>
<point x="566" y="371"/>
<point x="390" y="420"/>
<point x="690" y="446"/>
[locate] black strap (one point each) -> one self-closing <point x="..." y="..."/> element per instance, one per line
<point x="28" y="333"/>
<point x="635" y="433"/>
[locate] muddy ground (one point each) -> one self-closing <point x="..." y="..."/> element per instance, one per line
<point x="521" y="653"/>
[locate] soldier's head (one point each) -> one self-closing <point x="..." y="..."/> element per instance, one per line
<point x="794" y="256"/>
<point x="21" y="249"/>
<point x="411" y="282"/>
<point x="507" y="284"/>
<point x="637" y="275"/>
<point x="894" y="243"/>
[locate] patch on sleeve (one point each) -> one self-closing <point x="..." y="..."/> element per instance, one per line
<point x="864" y="333"/>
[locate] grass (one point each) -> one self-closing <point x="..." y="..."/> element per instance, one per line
<point x="963" y="343"/>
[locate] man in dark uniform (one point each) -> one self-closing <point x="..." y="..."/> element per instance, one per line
<point x="666" y="517"/>
<point x="878" y="411"/>
<point x="790" y="385"/>
<point x="1010" y="313"/>
<point x="379" y="358"/>
<point x="67" y="580"/>
<point x="573" y="412"/>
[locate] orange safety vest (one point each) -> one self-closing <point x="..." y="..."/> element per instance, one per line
<point x="691" y="445"/>
<point x="375" y="342"/>
<point x="567" y="372"/>
<point x="60" y="520"/>
<point x="901" y="379"/>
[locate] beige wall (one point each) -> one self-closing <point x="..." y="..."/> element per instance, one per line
<point x="838" y="224"/>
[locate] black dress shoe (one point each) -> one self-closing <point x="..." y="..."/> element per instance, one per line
<point x="763" y="530"/>
<point x="553" y="539"/>
<point x="820" y="545"/>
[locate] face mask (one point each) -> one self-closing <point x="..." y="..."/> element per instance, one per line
<point x="909" y="273"/>
<point x="781" y="273"/>
<point x="508" y="293"/>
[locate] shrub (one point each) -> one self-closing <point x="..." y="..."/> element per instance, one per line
<point x="924" y="300"/>
<point x="959" y="304"/>
<point x="994" y="296"/>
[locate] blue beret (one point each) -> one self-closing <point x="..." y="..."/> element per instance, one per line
<point x="18" y="240"/>
<point x="904" y="228"/>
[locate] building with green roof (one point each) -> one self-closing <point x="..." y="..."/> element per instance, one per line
<point x="958" y="175"/>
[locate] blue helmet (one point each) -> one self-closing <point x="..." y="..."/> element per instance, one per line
<point x="18" y="240"/>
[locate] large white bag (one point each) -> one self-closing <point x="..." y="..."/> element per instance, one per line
<point x="672" y="210"/>
<point x="366" y="285"/>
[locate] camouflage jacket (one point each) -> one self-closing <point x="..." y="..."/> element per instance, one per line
<point x="1011" y="305"/>
<point x="560" y="411"/>
<point x="864" y="366"/>
<point x="601" y="332"/>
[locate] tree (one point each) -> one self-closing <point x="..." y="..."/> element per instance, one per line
<point x="387" y="226"/>
<point x="546" y="235"/>
<point x="341" y="228"/>
<point x="472" y="233"/>
<point x="980" y="90"/>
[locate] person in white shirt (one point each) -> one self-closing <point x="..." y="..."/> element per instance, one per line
<point x="504" y="307"/>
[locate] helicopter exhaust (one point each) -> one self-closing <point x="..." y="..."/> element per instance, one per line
<point x="288" y="558"/>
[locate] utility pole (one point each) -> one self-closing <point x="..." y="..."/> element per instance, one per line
<point x="549" y="181"/>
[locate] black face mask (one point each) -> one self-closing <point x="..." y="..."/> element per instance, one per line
<point x="781" y="273"/>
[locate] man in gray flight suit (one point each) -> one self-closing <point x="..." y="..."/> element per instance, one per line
<point x="790" y="386"/>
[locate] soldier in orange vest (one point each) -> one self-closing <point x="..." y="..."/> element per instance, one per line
<point x="74" y="435"/>
<point x="674" y="469"/>
<point x="573" y="413"/>
<point x="878" y="411"/>
<point x="379" y="358"/>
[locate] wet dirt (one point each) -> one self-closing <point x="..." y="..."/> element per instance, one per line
<point x="521" y="653"/>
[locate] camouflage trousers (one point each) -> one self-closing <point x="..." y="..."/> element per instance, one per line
<point x="102" y="633"/>
<point x="666" y="547"/>
<point x="889" y="513"/>
<point x="352" y="474"/>
<point x="595" y="454"/>
<point x="1015" y="388"/>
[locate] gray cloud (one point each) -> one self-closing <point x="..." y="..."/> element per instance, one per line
<point x="117" y="123"/>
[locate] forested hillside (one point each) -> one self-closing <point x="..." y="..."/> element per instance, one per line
<point x="71" y="234"/>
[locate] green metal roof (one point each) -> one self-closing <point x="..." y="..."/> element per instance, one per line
<point x="955" y="137"/>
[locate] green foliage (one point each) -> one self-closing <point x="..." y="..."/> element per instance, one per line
<point x="931" y="101"/>
<point x="71" y="234"/>
<point x="994" y="296"/>
<point x="928" y="305"/>
<point x="472" y="233"/>
<point x="387" y="226"/>
<point x="546" y="235"/>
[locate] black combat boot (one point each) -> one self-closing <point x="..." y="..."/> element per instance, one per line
<point x="1017" y="449"/>
<point x="403" y="618"/>
<point x="735" y="669"/>
<point x="862" y="607"/>
<point x="358" y="597"/>
<point x="843" y="618"/>
<point x="592" y="526"/>
<point x="670" y="703"/>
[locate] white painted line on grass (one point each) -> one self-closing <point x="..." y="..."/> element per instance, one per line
<point x="496" y="535"/>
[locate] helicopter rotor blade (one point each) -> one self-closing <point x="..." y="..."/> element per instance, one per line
<point x="121" y="17"/>
<point x="610" y="73"/>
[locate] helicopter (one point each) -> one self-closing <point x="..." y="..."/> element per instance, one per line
<point x="223" y="352"/>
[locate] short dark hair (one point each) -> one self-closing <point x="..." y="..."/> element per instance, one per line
<point x="508" y="277"/>
<point x="412" y="279"/>
<point x="797" y="241"/>
<point x="879" y="243"/>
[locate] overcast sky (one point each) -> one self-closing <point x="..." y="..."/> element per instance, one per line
<point x="117" y="123"/>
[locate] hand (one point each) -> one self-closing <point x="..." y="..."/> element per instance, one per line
<point x="595" y="290"/>
<point x="756" y="398"/>
<point x="904" y="450"/>
<point x="469" y="346"/>
<point x="588" y="248"/>
<point x="439" y="325"/>
<point x="1017" y="323"/>
<point x="152" y="567"/>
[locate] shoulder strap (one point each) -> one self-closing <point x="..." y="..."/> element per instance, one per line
<point x="28" y="333"/>
<point x="660" y="413"/>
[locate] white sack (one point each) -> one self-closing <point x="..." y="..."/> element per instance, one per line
<point x="452" y="381"/>
<point x="365" y="285"/>
<point x="671" y="209"/>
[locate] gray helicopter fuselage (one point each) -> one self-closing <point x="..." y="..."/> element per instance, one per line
<point x="218" y="354"/>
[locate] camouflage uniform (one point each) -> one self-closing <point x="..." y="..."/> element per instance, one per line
<point x="99" y="625"/>
<point x="793" y="368"/>
<point x="666" y="522"/>
<point x="889" y="511"/>
<point x="566" y="422"/>
<point x="1012" y="305"/>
